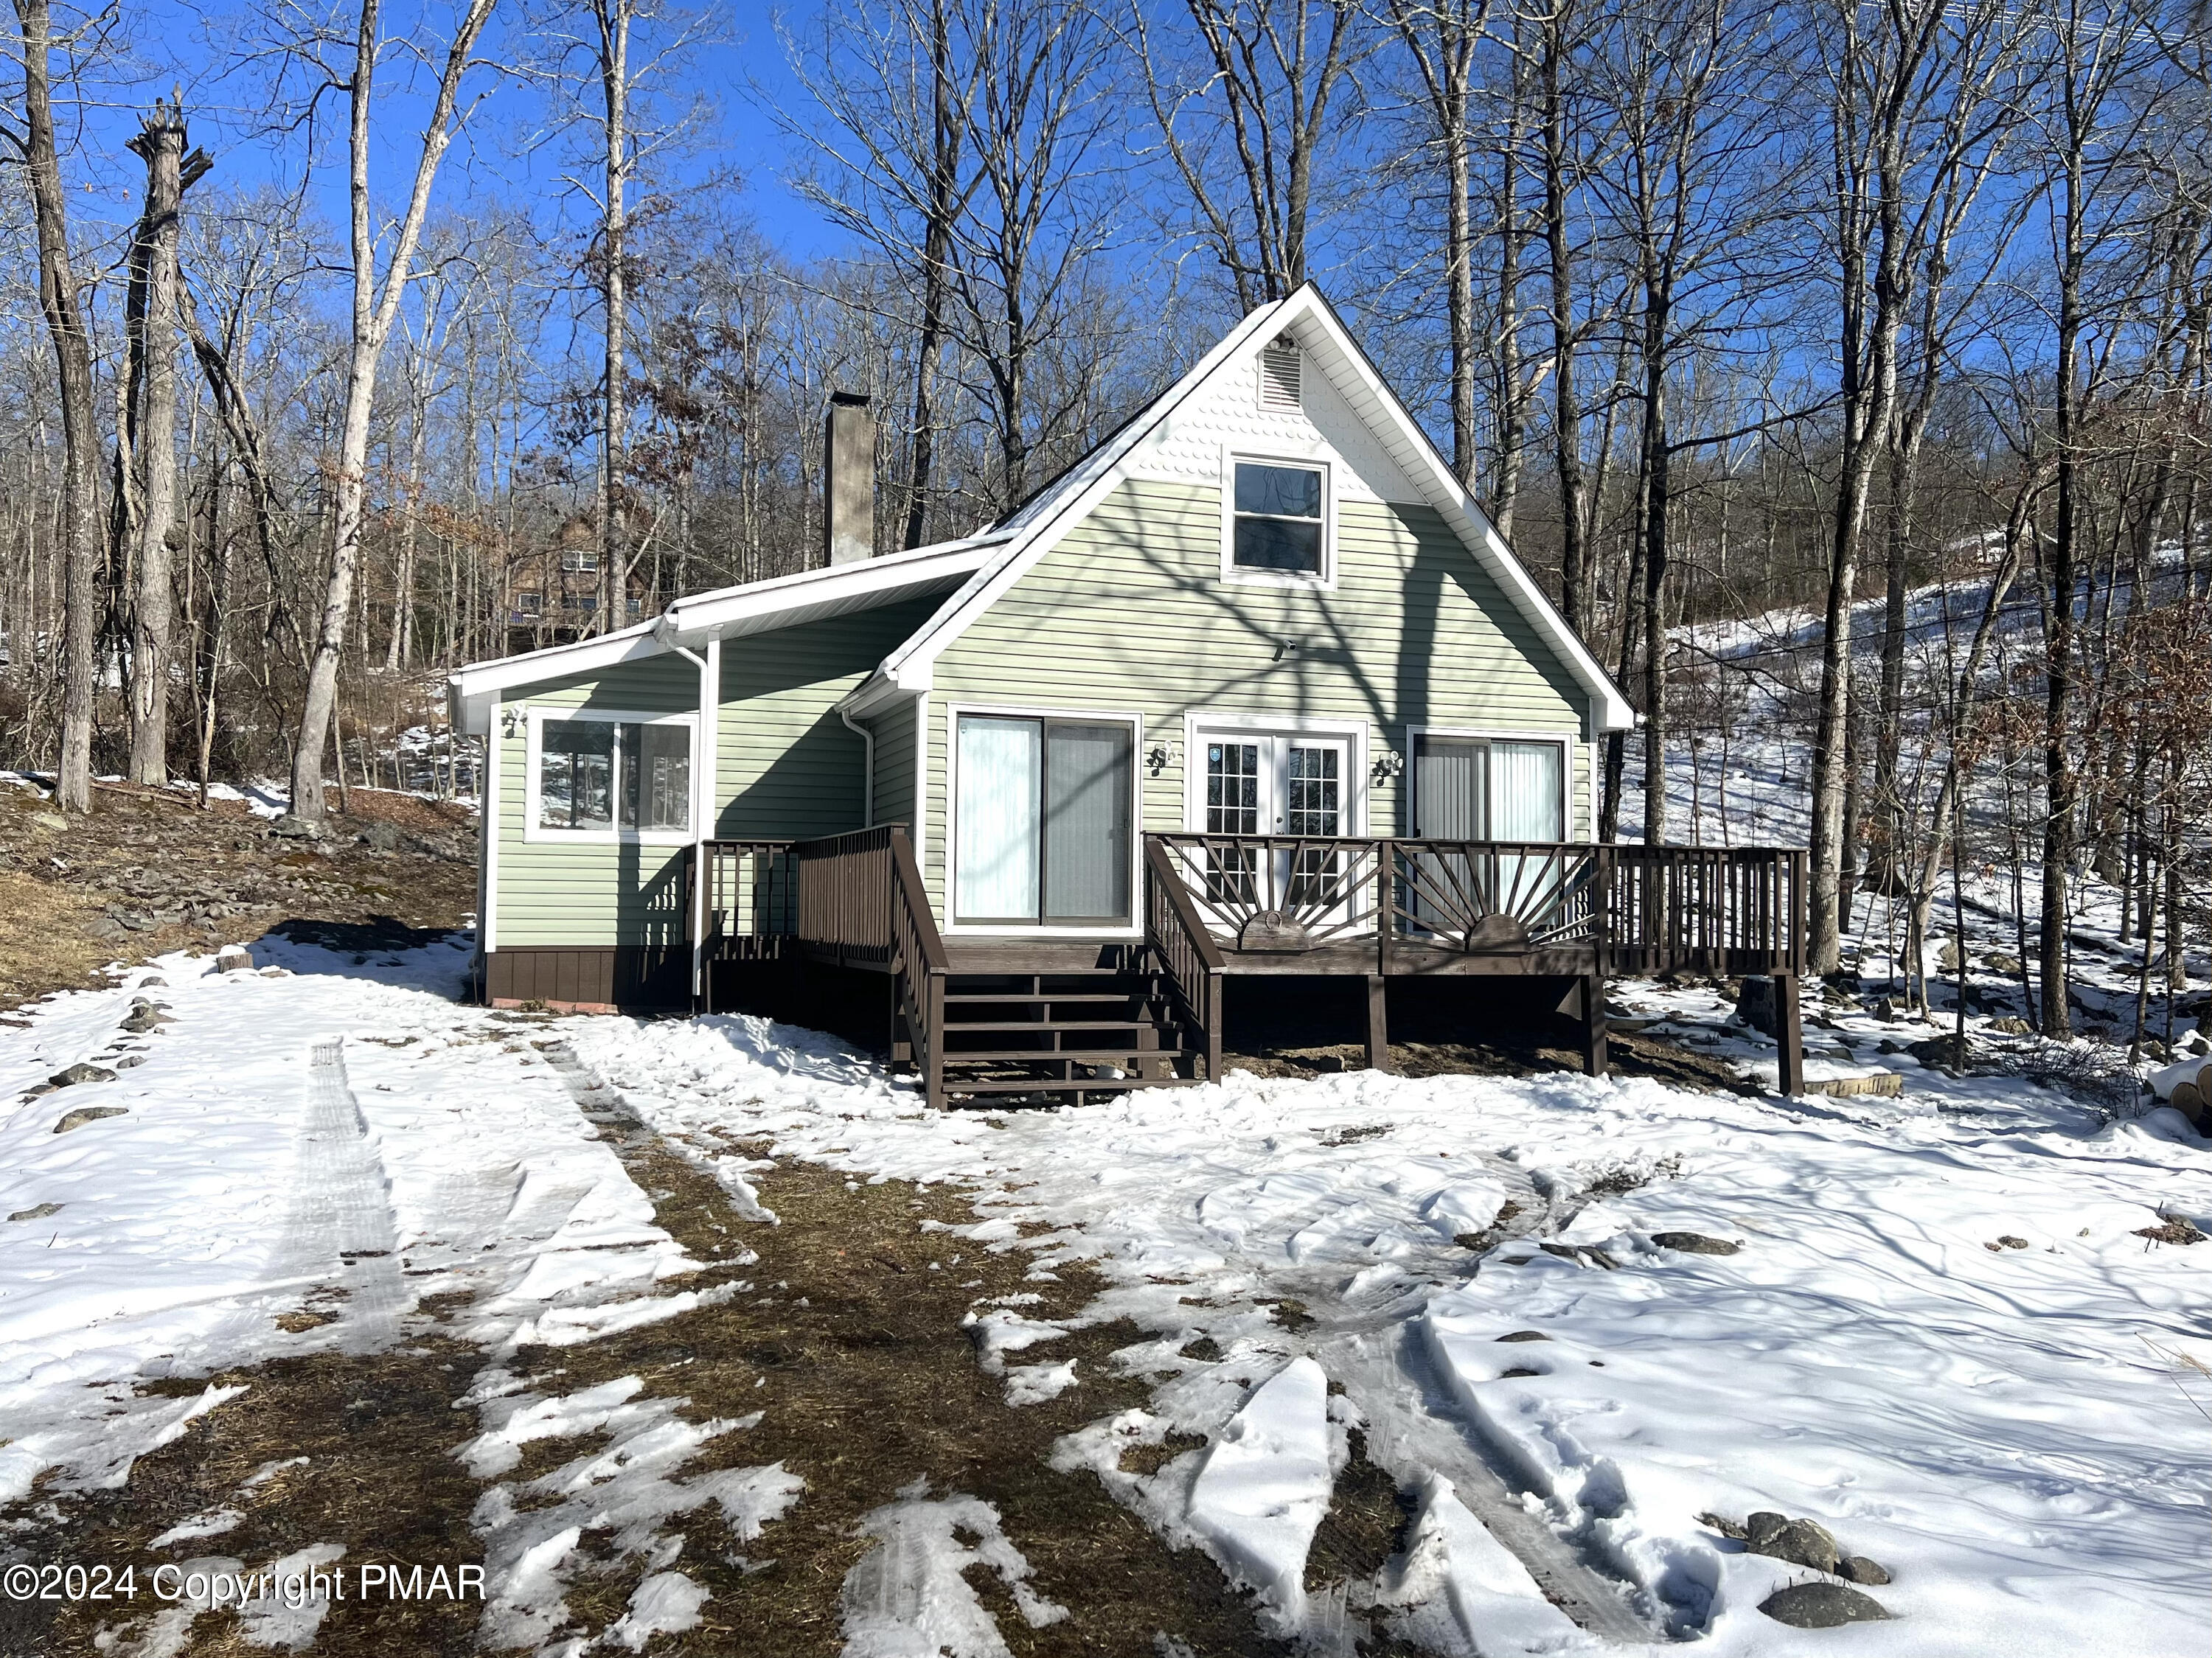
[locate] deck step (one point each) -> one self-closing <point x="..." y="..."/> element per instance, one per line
<point x="1134" y="1021"/>
<point x="1057" y="1055"/>
<point x="955" y="997"/>
<point x="1085" y="1085"/>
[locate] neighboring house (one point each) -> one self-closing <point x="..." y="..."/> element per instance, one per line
<point x="1255" y="672"/>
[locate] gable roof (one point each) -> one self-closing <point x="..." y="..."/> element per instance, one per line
<point x="974" y="572"/>
<point x="1307" y="317"/>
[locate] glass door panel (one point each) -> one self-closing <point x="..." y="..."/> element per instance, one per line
<point x="1234" y="785"/>
<point x="1311" y="793"/>
<point x="1044" y="817"/>
<point x="1000" y="773"/>
<point x="1086" y="823"/>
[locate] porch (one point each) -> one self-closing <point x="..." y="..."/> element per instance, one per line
<point x="1143" y="1006"/>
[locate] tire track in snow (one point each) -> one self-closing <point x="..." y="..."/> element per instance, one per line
<point x="341" y="1208"/>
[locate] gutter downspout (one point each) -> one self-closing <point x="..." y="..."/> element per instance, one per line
<point x="868" y="784"/>
<point x="703" y="784"/>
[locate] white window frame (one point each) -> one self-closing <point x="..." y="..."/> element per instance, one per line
<point x="1564" y="743"/>
<point x="949" y="906"/>
<point x="1311" y="458"/>
<point x="532" y="830"/>
<point x="1200" y="721"/>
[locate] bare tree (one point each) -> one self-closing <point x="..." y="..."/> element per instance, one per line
<point x="59" y="300"/>
<point x="1249" y="123"/>
<point x="376" y="303"/>
<point x="1896" y="76"/>
<point x="1442" y="38"/>
<point x="148" y="445"/>
<point x="896" y="169"/>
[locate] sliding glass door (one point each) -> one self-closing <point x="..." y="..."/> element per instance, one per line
<point x="1043" y="813"/>
<point x="1487" y="789"/>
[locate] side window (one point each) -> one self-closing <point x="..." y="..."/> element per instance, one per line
<point x="1278" y="517"/>
<point x="575" y="775"/>
<point x="595" y="776"/>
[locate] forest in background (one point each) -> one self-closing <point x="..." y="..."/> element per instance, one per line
<point x="314" y="383"/>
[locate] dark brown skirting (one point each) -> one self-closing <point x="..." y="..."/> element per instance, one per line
<point x="605" y="979"/>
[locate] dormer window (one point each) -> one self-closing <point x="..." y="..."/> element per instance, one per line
<point x="1279" y="524"/>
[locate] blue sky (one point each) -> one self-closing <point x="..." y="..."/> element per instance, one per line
<point x="217" y="55"/>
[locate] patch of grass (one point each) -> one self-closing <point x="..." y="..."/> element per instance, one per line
<point x="43" y="943"/>
<point x="1366" y="1524"/>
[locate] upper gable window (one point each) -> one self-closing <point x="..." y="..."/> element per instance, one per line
<point x="1279" y="522"/>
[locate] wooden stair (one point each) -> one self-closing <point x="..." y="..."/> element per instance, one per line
<point x="1065" y="1033"/>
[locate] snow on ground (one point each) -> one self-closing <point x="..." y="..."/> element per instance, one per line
<point x="1938" y="1334"/>
<point x="263" y="1144"/>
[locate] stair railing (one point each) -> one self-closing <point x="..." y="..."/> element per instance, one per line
<point x="919" y="968"/>
<point x="1190" y="961"/>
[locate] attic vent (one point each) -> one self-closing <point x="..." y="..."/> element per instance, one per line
<point x="1278" y="375"/>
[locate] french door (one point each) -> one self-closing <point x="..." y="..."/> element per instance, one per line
<point x="1276" y="783"/>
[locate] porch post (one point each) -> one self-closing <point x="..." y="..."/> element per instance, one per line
<point x="1788" y="1036"/>
<point x="1594" y="1035"/>
<point x="1378" y="1030"/>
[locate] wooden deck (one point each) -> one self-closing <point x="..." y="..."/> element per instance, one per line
<point x="1143" y="1007"/>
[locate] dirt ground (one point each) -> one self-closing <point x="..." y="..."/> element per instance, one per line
<point x="854" y="1350"/>
<point x="855" y="1353"/>
<point x="148" y="872"/>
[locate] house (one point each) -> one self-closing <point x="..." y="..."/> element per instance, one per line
<point x="1255" y="691"/>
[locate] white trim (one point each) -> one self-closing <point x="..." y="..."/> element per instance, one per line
<point x="1323" y="461"/>
<point x="470" y="689"/>
<point x="538" y="717"/>
<point x="1563" y="741"/>
<point x="1198" y="720"/>
<point x="726" y="612"/>
<point x="735" y="611"/>
<point x="921" y="772"/>
<point x="488" y="920"/>
<point x="1041" y="525"/>
<point x="1134" y="720"/>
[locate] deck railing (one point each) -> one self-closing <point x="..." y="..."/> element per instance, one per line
<point x="852" y="900"/>
<point x="1704" y="909"/>
<point x="845" y="896"/>
<point x="1191" y="964"/>
<point x="751" y="907"/>
<point x="1635" y="909"/>
<point x="919" y="968"/>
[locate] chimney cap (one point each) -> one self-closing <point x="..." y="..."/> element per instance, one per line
<point x="849" y="399"/>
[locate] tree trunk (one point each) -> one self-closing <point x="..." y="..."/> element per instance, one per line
<point x="161" y="144"/>
<point x="1575" y="583"/>
<point x="614" y="19"/>
<point x="374" y="310"/>
<point x="948" y="125"/>
<point x="78" y="528"/>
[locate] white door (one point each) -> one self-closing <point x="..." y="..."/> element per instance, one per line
<point x="1266" y="783"/>
<point x="1278" y="784"/>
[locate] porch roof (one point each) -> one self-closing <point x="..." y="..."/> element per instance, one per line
<point x="727" y="613"/>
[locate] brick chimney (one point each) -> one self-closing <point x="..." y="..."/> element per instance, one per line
<point x="848" y="479"/>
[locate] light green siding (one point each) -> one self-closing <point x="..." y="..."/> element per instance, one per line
<point x="787" y="766"/>
<point x="895" y="769"/>
<point x="1129" y="611"/>
<point x="588" y="894"/>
